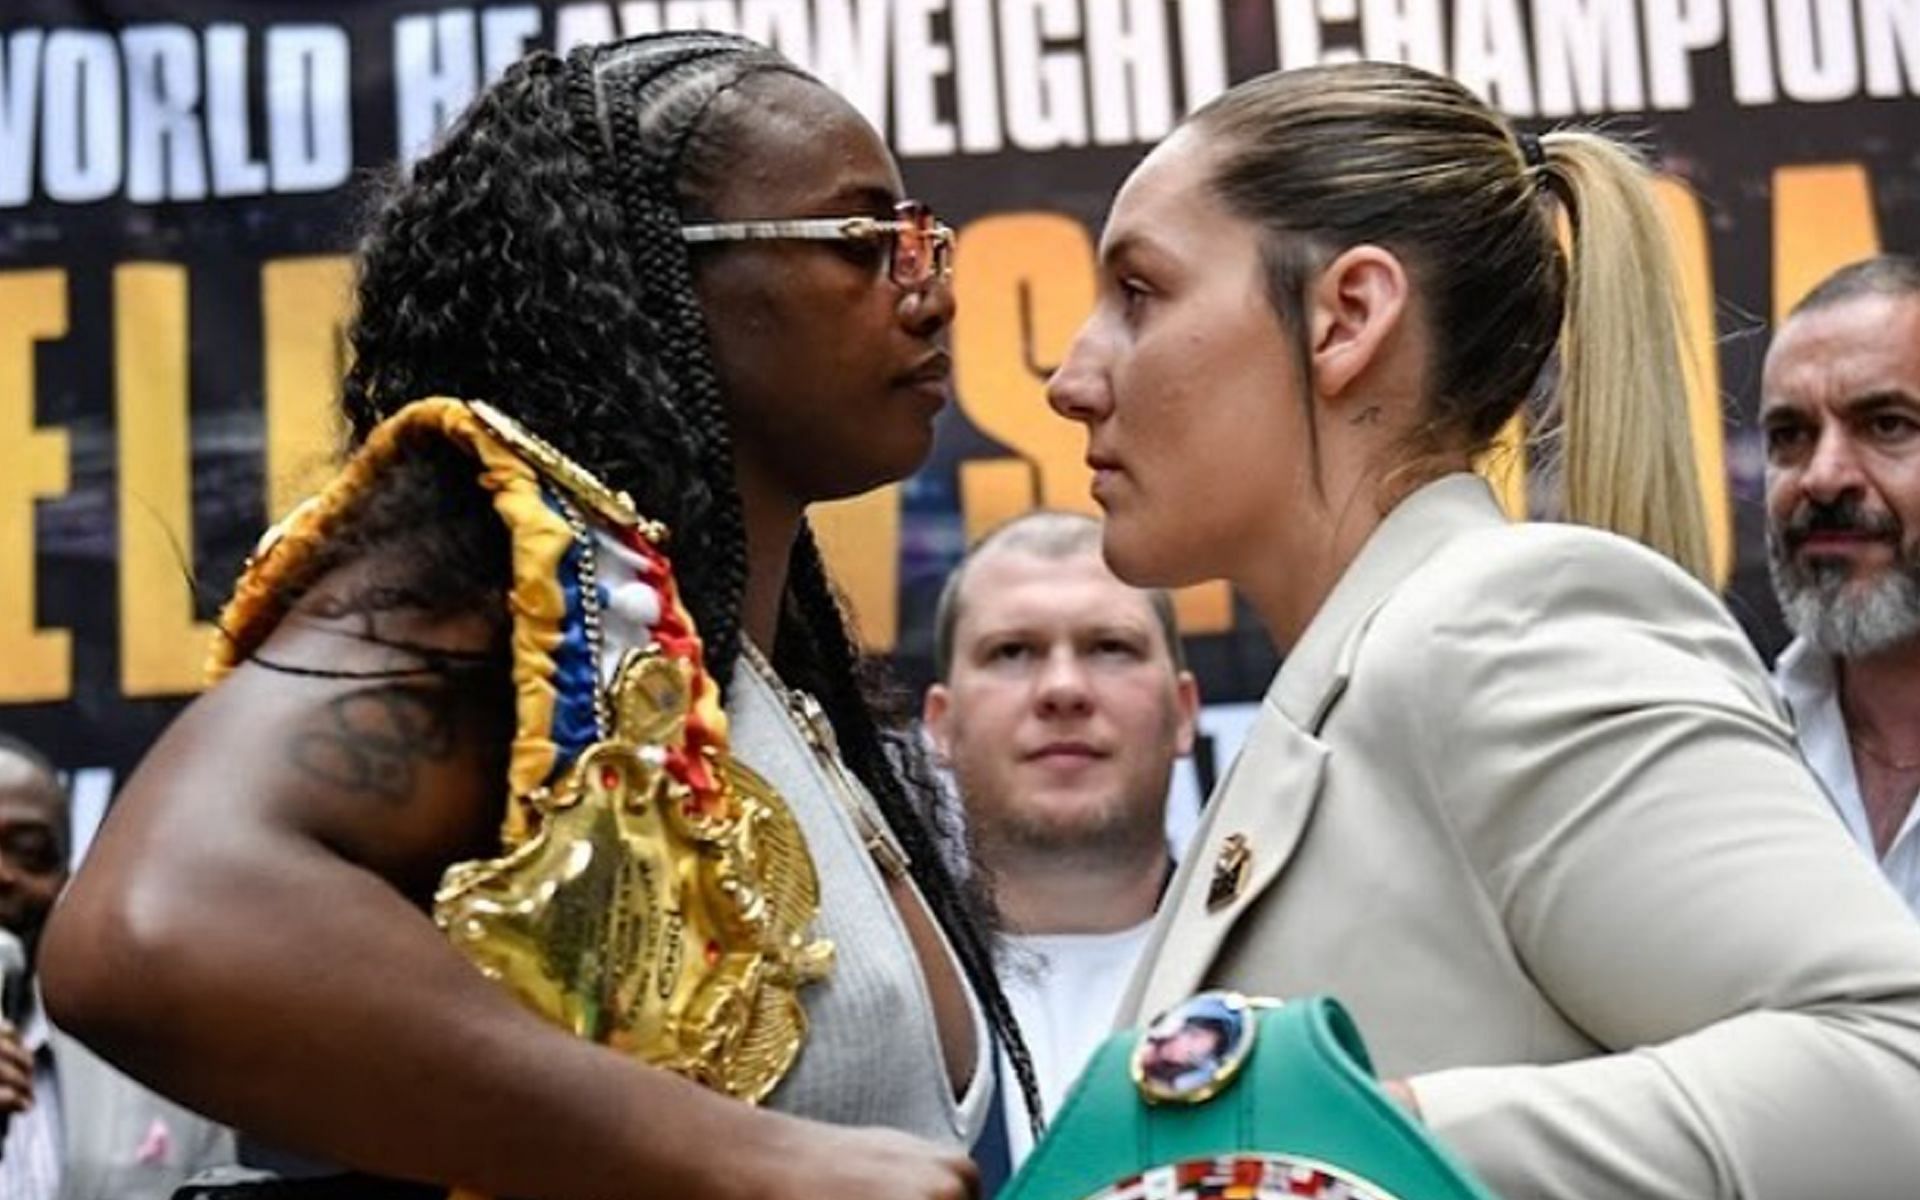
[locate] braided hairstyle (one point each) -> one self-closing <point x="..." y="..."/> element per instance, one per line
<point x="534" y="260"/>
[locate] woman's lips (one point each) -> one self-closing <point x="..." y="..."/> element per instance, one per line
<point x="931" y="378"/>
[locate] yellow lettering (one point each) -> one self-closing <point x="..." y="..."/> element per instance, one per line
<point x="1204" y="608"/>
<point x="1505" y="465"/>
<point x="994" y="491"/>
<point x="1027" y="286"/>
<point x="860" y="541"/>
<point x="1822" y="219"/>
<point x="162" y="648"/>
<point x="304" y="303"/>
<point x="35" y="663"/>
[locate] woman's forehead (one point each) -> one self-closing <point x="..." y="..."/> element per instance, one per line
<point x="797" y="146"/>
<point x="1165" y="200"/>
<point x="1176" y="169"/>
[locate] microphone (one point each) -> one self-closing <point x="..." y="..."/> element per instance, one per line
<point x="14" y="987"/>
<point x="13" y="976"/>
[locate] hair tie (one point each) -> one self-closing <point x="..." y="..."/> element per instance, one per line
<point x="1531" y="150"/>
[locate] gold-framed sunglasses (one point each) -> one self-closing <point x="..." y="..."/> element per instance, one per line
<point x="919" y="246"/>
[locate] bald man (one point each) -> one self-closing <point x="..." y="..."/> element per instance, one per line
<point x="1061" y="705"/>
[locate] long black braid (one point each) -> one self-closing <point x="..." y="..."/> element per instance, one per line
<point x="534" y="260"/>
<point x="610" y="88"/>
<point x="847" y="685"/>
<point x="668" y="99"/>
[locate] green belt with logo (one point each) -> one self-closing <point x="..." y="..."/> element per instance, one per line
<point x="1223" y="1096"/>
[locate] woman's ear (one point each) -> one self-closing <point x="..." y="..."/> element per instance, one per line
<point x="1356" y="306"/>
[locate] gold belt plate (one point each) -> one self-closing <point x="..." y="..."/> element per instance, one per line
<point x="670" y="924"/>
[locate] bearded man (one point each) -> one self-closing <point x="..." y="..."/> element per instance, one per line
<point x="1840" y="408"/>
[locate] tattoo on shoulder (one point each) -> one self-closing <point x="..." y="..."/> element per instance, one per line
<point x="373" y="740"/>
<point x="363" y="602"/>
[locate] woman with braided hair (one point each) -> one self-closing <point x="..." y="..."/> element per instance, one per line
<point x="688" y="270"/>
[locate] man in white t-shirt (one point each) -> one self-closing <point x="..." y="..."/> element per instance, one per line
<point x="1061" y="704"/>
<point x="1840" y="411"/>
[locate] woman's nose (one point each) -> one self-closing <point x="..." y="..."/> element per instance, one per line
<point x="927" y="309"/>
<point x="1078" y="388"/>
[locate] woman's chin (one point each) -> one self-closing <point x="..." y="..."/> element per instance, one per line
<point x="908" y="444"/>
<point x="1148" y="557"/>
<point x="876" y="472"/>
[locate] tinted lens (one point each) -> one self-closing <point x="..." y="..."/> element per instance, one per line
<point x="941" y="241"/>
<point x="913" y="249"/>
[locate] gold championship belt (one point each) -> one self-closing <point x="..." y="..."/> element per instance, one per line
<point x="665" y="924"/>
<point x="652" y="894"/>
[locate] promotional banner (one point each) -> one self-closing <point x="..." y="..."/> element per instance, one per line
<point x="181" y="184"/>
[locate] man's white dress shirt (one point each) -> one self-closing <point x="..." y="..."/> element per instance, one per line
<point x="1808" y="683"/>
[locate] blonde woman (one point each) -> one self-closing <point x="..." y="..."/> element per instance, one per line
<point x="1520" y="795"/>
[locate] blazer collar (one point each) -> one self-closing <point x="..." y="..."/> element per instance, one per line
<point x="1315" y="668"/>
<point x="1263" y="801"/>
<point x="1268" y="794"/>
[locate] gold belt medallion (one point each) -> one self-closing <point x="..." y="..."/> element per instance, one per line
<point x="669" y="925"/>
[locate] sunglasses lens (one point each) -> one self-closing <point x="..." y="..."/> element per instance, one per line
<point x="909" y="258"/>
<point x="914" y="249"/>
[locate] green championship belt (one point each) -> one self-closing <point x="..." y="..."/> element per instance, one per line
<point x="1223" y="1096"/>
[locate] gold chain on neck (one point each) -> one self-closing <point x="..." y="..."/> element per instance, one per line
<point x="887" y="852"/>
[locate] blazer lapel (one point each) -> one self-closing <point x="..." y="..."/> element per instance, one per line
<point x="1270" y="792"/>
<point x="1262" y="806"/>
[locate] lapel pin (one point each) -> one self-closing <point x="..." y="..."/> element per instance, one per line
<point x="1230" y="870"/>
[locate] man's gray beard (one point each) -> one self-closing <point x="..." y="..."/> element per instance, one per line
<point x="1834" y="614"/>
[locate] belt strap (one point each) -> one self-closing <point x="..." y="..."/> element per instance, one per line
<point x="1305" y="1097"/>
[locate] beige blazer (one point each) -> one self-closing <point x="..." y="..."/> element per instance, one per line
<point x="1522" y="798"/>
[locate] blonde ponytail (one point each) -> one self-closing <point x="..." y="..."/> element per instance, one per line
<point x="1627" y="459"/>
<point x="1381" y="153"/>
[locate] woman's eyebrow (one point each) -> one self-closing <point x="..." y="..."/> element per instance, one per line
<point x="868" y="199"/>
<point x="1139" y="250"/>
<point x="1135" y="246"/>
